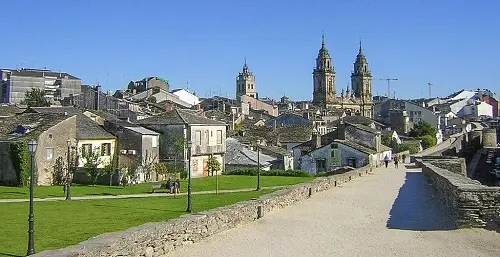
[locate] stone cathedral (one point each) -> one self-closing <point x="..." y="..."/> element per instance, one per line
<point x="357" y="99"/>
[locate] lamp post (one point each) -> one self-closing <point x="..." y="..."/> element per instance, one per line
<point x="31" y="231"/>
<point x="258" y="166"/>
<point x="189" y="145"/>
<point x="68" y="178"/>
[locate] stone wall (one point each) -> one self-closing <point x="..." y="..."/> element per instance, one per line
<point x="472" y="204"/>
<point x="450" y="163"/>
<point x="155" y="239"/>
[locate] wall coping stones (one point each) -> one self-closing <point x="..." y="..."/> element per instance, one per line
<point x="158" y="238"/>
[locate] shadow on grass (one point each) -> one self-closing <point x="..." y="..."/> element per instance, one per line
<point x="13" y="193"/>
<point x="136" y="208"/>
<point x="103" y="194"/>
<point x="418" y="208"/>
<point x="8" y="254"/>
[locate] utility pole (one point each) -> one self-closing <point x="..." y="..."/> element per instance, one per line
<point x="389" y="85"/>
<point x="430" y="90"/>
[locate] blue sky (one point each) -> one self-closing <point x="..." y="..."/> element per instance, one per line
<point x="455" y="44"/>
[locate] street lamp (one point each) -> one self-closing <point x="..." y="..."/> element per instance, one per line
<point x="68" y="178"/>
<point x="189" y="145"/>
<point x="258" y="166"/>
<point x="31" y="231"/>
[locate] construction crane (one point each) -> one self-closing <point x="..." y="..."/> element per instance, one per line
<point x="430" y="86"/>
<point x="389" y="86"/>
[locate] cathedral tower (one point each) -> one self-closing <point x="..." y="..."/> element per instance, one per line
<point x="324" y="78"/>
<point x="245" y="83"/>
<point x="361" y="81"/>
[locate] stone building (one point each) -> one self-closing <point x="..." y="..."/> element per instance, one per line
<point x="180" y="126"/>
<point x="147" y="83"/>
<point x="14" y="83"/>
<point x="51" y="131"/>
<point x="245" y="83"/>
<point x="357" y="99"/>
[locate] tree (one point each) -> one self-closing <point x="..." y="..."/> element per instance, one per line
<point x="109" y="170"/>
<point x="428" y="141"/>
<point x="58" y="174"/>
<point x="213" y="165"/>
<point x="91" y="160"/>
<point x="422" y="128"/>
<point x="387" y="140"/>
<point x="35" y="98"/>
<point x="148" y="164"/>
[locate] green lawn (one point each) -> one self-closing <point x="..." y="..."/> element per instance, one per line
<point x="63" y="223"/>
<point x="199" y="184"/>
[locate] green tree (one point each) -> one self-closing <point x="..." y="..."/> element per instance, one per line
<point x="213" y="165"/>
<point x="428" y="141"/>
<point x="35" y="98"/>
<point x="91" y="160"/>
<point x="58" y="174"/>
<point x="387" y="140"/>
<point x="422" y="128"/>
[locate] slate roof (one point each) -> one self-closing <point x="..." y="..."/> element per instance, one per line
<point x="326" y="139"/>
<point x="143" y="131"/>
<point x="275" y="150"/>
<point x="179" y="117"/>
<point x="356" y="146"/>
<point x="111" y="118"/>
<point x="238" y="154"/>
<point x="10" y="110"/>
<point x="57" y="109"/>
<point x="35" y="122"/>
<point x="86" y="128"/>
<point x="363" y="127"/>
<point x="39" y="73"/>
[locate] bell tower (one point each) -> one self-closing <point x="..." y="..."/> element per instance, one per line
<point x="361" y="81"/>
<point x="245" y="83"/>
<point x="324" y="78"/>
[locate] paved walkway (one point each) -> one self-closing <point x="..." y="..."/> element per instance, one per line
<point x="98" y="197"/>
<point x="388" y="213"/>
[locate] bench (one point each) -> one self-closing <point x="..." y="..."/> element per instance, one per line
<point x="156" y="187"/>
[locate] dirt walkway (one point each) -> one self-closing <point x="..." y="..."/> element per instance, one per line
<point x="389" y="213"/>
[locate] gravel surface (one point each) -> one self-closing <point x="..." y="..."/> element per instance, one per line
<point x="389" y="213"/>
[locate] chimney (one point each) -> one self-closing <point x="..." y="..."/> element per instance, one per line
<point x="341" y="130"/>
<point x="97" y="102"/>
<point x="316" y="138"/>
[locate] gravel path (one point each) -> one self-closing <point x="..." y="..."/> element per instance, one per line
<point x="389" y="213"/>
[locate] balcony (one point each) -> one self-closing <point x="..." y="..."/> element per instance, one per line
<point x="208" y="149"/>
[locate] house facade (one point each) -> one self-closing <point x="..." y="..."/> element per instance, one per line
<point x="178" y="127"/>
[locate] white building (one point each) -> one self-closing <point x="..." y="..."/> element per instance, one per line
<point x="186" y="96"/>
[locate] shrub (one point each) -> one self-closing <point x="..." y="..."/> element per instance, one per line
<point x="283" y="173"/>
<point x="408" y="147"/>
<point x="428" y="141"/>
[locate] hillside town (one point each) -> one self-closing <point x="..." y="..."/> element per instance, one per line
<point x="148" y="123"/>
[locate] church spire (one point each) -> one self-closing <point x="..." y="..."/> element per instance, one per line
<point x="322" y="40"/>
<point x="360" y="49"/>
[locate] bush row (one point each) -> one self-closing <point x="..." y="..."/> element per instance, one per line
<point x="284" y="173"/>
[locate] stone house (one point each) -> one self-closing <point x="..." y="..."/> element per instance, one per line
<point x="51" y="131"/>
<point x="288" y="119"/>
<point x="179" y="126"/>
<point x="141" y="146"/>
<point x="284" y="158"/>
<point x="350" y="144"/>
<point x="239" y="156"/>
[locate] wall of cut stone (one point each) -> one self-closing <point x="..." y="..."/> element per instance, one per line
<point x="472" y="204"/>
<point x="155" y="239"/>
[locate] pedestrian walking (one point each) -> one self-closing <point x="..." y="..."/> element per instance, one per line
<point x="386" y="160"/>
<point x="396" y="162"/>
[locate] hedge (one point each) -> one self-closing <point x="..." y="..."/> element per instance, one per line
<point x="284" y="173"/>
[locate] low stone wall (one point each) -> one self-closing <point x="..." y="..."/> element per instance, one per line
<point x="155" y="239"/>
<point x="454" y="164"/>
<point x="472" y="204"/>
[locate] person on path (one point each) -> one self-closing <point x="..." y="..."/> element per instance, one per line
<point x="404" y="158"/>
<point x="177" y="186"/>
<point x="396" y="162"/>
<point x="170" y="185"/>
<point x="386" y="160"/>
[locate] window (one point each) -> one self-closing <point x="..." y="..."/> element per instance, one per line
<point x="335" y="145"/>
<point x="198" y="138"/>
<point x="332" y="154"/>
<point x="105" y="149"/>
<point x="154" y="141"/>
<point x="320" y="165"/>
<point x="211" y="133"/>
<point x="219" y="137"/>
<point x="86" y="149"/>
<point x="50" y="153"/>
